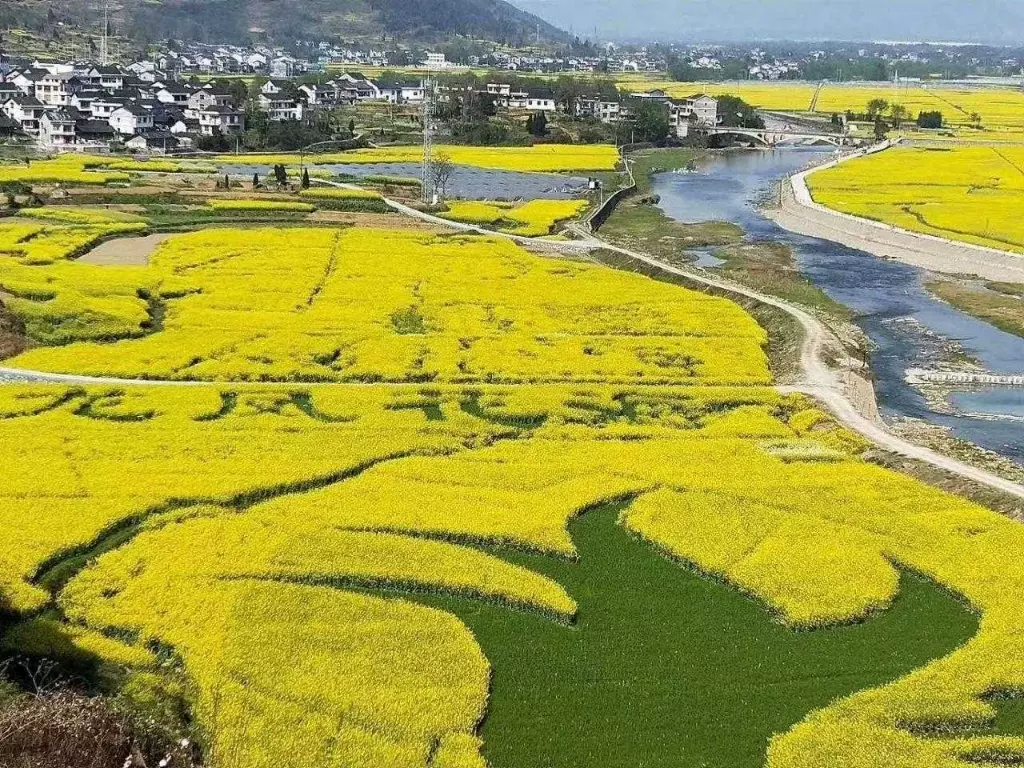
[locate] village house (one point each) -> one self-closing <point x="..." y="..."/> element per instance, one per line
<point x="220" y="118"/>
<point x="26" y="111"/>
<point x="56" y="128"/>
<point x="131" y="119"/>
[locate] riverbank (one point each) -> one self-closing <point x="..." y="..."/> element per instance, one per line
<point x="810" y="219"/>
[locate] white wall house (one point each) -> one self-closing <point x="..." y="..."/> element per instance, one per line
<point x="131" y="119"/>
<point x="221" y="119"/>
<point x="26" y="111"/>
<point x="173" y="94"/>
<point x="280" y="109"/>
<point x="56" y="128"/>
<point x="540" y="101"/>
<point x="54" y="89"/>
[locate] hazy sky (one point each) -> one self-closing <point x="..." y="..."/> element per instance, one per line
<point x="993" y="21"/>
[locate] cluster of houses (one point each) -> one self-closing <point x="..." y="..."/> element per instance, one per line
<point x="87" y="106"/>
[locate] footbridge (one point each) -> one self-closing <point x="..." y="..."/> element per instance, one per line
<point x="772" y="138"/>
<point x="918" y="376"/>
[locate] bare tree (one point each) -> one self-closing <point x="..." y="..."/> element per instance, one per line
<point x="441" y="169"/>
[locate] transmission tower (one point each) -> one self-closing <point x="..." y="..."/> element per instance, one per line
<point x="103" y="37"/>
<point x="428" y="138"/>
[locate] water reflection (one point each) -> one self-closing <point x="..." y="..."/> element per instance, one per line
<point x="909" y="327"/>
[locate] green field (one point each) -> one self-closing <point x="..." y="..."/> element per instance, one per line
<point x="664" y="667"/>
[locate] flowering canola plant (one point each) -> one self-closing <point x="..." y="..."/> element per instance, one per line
<point x="249" y="574"/>
<point x="66" y="169"/>
<point x="273" y="537"/>
<point x="531" y="219"/>
<point x="260" y="205"/>
<point x="374" y="305"/>
<point x="972" y="194"/>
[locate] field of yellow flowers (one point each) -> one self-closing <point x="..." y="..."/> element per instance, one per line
<point x="274" y="532"/>
<point x="534" y="218"/>
<point x="999" y="109"/>
<point x="373" y="305"/>
<point x="278" y="545"/>
<point x="973" y="194"/>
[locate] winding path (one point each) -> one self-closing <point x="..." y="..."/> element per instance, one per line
<point x="818" y="380"/>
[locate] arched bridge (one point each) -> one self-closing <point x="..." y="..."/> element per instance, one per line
<point x="771" y="138"/>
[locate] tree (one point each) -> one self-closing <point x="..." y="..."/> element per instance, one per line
<point x="880" y="128"/>
<point x="876" y="108"/>
<point x="255" y="181"/>
<point x="650" y="121"/>
<point x="975" y="120"/>
<point x="352" y="126"/>
<point x="898" y="113"/>
<point x="537" y="124"/>
<point x="305" y="178"/>
<point x="734" y="112"/>
<point x="280" y="175"/>
<point x="441" y="169"/>
<point x="929" y="120"/>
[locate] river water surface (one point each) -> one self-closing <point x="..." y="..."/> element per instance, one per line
<point x="908" y="327"/>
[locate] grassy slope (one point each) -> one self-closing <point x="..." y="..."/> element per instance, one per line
<point x="1002" y="309"/>
<point x="666" y="668"/>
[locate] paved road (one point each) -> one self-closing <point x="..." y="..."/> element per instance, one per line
<point x="818" y="380"/>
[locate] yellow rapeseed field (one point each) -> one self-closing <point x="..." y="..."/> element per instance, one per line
<point x="375" y="305"/>
<point x="973" y="194"/>
<point x="531" y="219"/>
<point x="1000" y="109"/>
<point x="260" y="205"/>
<point x="271" y="539"/>
<point x="65" y="169"/>
<point x="248" y="574"/>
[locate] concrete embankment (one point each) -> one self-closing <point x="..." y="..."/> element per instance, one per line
<point x="800" y="214"/>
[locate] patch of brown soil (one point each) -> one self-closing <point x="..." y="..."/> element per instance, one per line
<point x="12" y="333"/>
<point x="375" y="220"/>
<point x="125" y="251"/>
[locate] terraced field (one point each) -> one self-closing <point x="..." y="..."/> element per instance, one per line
<point x="547" y="513"/>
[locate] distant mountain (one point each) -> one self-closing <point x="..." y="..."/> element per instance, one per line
<point x="288" y="20"/>
<point x="981" y="21"/>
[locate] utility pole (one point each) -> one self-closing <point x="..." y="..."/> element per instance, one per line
<point x="428" y="138"/>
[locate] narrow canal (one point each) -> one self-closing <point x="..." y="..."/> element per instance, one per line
<point x="909" y="327"/>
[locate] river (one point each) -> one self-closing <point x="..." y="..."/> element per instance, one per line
<point x="908" y="327"/>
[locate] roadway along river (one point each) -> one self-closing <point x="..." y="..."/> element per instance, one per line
<point x="906" y="324"/>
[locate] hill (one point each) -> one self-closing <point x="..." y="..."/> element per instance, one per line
<point x="237" y="21"/>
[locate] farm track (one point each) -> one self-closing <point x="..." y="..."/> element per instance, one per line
<point x="817" y="379"/>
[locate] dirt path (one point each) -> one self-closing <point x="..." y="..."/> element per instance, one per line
<point x="125" y="251"/>
<point x="925" y="251"/>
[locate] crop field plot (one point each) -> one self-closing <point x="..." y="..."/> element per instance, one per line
<point x="531" y="219"/>
<point x="972" y="194"/>
<point x="1000" y="110"/>
<point x="307" y="554"/>
<point x="373" y="305"/>
<point x="544" y="514"/>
